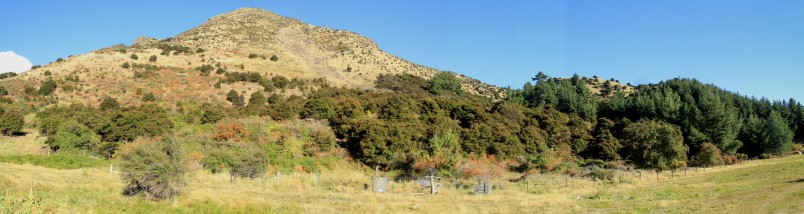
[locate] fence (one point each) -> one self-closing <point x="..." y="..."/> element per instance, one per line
<point x="358" y="181"/>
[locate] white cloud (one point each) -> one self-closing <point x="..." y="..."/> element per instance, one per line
<point x="10" y="61"/>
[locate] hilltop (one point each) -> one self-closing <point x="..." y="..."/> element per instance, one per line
<point x="245" y="40"/>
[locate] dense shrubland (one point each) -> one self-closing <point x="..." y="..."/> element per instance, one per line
<point x="414" y="126"/>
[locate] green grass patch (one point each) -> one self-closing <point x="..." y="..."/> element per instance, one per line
<point x="56" y="161"/>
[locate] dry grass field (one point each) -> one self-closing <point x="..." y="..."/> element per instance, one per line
<point x="762" y="186"/>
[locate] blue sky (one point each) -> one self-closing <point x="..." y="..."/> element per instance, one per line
<point x="754" y="47"/>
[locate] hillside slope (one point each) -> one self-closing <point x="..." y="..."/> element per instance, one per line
<point x="244" y="40"/>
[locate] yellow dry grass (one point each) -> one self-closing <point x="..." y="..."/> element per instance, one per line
<point x="757" y="186"/>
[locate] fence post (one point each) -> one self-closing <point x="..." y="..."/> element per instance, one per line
<point x="640" y="174"/>
<point x="277" y="177"/>
<point x="111" y="169"/>
<point x="527" y="185"/>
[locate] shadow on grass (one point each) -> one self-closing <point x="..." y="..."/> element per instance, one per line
<point x="797" y="181"/>
<point x="19" y="134"/>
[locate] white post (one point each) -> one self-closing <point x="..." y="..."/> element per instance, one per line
<point x="111" y="169"/>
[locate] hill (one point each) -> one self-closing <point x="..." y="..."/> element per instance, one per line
<point x="244" y="40"/>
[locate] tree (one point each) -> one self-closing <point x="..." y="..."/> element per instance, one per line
<point x="109" y="103"/>
<point x="148" y="97"/>
<point x="444" y="82"/>
<point x="47" y="87"/>
<point x="540" y="77"/>
<point x="780" y="138"/>
<point x="11" y="121"/>
<point x="153" y="167"/>
<point x="152" y="58"/>
<point x="655" y="144"/>
<point x="709" y="155"/>
<point x="134" y="57"/>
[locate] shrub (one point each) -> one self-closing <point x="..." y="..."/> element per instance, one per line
<point x="59" y="60"/>
<point x="212" y="113"/>
<point x="280" y="81"/>
<point x="47" y="88"/>
<point x="109" y="103"/>
<point x="11" y="122"/>
<point x="230" y="131"/>
<point x="205" y="69"/>
<point x="484" y="167"/>
<point x="709" y="156"/>
<point x="274" y="58"/>
<point x="253" y="55"/>
<point x="199" y="50"/>
<point x="153" y="167"/>
<point x="47" y="73"/>
<point x="220" y="71"/>
<point x="3" y="91"/>
<point x="10" y="74"/>
<point x="134" y="57"/>
<point x="73" y="136"/>
<point x="152" y="58"/>
<point x="148" y="97"/>
<point x="125" y="65"/>
<point x="240" y="159"/>
<point x="232" y="96"/>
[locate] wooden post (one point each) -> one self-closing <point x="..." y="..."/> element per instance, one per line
<point x="657" y="175"/>
<point x="432" y="184"/>
<point x="566" y="181"/>
<point x="527" y="185"/>
<point x="111" y="169"/>
<point x="593" y="181"/>
<point x="640" y="174"/>
<point x="277" y="177"/>
<point x="672" y="173"/>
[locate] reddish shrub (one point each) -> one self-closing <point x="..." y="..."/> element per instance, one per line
<point x="230" y="131"/>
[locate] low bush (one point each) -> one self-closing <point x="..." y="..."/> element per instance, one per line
<point x="153" y="167"/>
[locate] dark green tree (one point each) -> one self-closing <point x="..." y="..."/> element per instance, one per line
<point x="655" y="144"/>
<point x="443" y="83"/>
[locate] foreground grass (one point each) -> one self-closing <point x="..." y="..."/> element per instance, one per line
<point x="765" y="186"/>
